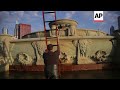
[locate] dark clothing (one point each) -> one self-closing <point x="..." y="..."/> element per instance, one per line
<point x="51" y="72"/>
<point x="51" y="60"/>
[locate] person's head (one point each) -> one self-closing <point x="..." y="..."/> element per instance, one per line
<point x="50" y="47"/>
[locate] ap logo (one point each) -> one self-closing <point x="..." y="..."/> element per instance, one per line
<point x="98" y="16"/>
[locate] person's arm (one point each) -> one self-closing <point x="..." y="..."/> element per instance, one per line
<point x="46" y="51"/>
<point x="58" y="48"/>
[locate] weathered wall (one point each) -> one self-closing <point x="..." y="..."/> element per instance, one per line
<point x="74" y="50"/>
<point x="66" y="32"/>
<point x="4" y="52"/>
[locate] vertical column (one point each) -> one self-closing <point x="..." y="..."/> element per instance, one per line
<point x="119" y="22"/>
<point x="16" y="30"/>
<point x="4" y="30"/>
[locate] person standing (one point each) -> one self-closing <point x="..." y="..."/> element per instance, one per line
<point x="51" y="60"/>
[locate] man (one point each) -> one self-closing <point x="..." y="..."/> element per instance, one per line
<point x="51" y="59"/>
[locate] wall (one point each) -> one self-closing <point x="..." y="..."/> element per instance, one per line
<point x="23" y="30"/>
<point x="63" y="33"/>
<point x="74" y="50"/>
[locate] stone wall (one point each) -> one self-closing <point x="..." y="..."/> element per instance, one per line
<point x="66" y="32"/>
<point x="74" y="50"/>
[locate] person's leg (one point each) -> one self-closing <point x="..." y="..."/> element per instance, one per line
<point x="46" y="72"/>
<point x="49" y="72"/>
<point x="55" y="71"/>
